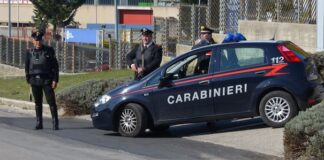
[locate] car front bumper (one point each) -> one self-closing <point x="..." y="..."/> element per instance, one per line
<point x="102" y="120"/>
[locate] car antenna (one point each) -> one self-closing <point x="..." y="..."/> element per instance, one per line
<point x="274" y="34"/>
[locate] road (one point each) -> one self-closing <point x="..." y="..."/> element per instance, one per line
<point x="77" y="139"/>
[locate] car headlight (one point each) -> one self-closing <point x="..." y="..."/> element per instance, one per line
<point x="102" y="100"/>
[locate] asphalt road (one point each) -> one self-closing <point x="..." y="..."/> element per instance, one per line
<point x="77" y="139"/>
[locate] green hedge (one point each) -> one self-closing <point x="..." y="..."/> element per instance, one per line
<point x="319" y="61"/>
<point x="78" y="99"/>
<point x="304" y="135"/>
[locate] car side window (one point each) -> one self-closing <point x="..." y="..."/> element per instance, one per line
<point x="194" y="65"/>
<point x="233" y="58"/>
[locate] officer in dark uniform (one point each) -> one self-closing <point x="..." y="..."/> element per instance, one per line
<point x="146" y="57"/>
<point x="205" y="39"/>
<point x="42" y="73"/>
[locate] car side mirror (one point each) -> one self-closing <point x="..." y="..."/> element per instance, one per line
<point x="166" y="80"/>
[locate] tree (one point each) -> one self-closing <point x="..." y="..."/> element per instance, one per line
<point x="59" y="13"/>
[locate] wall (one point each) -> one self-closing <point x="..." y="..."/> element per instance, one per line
<point x="86" y="13"/>
<point x="25" y="13"/>
<point x="304" y="35"/>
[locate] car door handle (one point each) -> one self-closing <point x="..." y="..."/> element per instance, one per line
<point x="205" y="82"/>
<point x="260" y="72"/>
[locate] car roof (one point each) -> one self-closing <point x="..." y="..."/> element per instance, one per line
<point x="243" y="42"/>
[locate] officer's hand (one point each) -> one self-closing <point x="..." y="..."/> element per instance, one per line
<point x="133" y="68"/>
<point x="140" y="70"/>
<point x="54" y="84"/>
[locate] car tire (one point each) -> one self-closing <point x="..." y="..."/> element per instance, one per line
<point x="277" y="108"/>
<point x="132" y="120"/>
<point x="160" y="128"/>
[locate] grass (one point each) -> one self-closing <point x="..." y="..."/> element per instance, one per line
<point x="17" y="88"/>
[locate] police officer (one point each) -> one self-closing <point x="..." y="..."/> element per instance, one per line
<point x="205" y="38"/>
<point x="146" y="57"/>
<point x="42" y="73"/>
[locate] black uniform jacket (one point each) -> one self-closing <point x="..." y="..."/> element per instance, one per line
<point x="152" y="57"/>
<point x="47" y="67"/>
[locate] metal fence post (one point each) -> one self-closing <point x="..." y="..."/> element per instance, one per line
<point x="179" y="34"/>
<point x="297" y="11"/>
<point x="258" y="10"/>
<point x="208" y="13"/>
<point x="7" y="50"/>
<point x="222" y="16"/>
<point x="119" y="54"/>
<point x="73" y="58"/>
<point x="193" y="24"/>
<point x="82" y="61"/>
<point x="167" y="35"/>
<point x="64" y="57"/>
<point x="320" y="25"/>
<point x="1" y="48"/>
<point x="20" y="53"/>
<point x="278" y="10"/>
<point x="110" y="57"/>
<point x="13" y="52"/>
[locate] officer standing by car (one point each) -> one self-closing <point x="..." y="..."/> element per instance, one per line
<point x="42" y="74"/>
<point x="205" y="39"/>
<point x="146" y="57"/>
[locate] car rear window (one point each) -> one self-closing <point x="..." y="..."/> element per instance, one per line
<point x="233" y="58"/>
<point x="297" y="50"/>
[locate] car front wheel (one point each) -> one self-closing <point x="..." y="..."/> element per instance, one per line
<point x="277" y="108"/>
<point x="132" y="120"/>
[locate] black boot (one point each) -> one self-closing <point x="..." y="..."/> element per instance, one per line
<point x="55" y="120"/>
<point x="39" y="118"/>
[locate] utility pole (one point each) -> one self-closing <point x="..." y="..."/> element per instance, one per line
<point x="9" y="18"/>
<point x="320" y="25"/>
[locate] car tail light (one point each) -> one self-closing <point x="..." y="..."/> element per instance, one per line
<point x="311" y="101"/>
<point x="289" y="55"/>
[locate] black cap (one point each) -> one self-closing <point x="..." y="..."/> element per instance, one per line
<point x="146" y="32"/>
<point x="204" y="29"/>
<point x="37" y="35"/>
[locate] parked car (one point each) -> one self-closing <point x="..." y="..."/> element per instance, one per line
<point x="271" y="79"/>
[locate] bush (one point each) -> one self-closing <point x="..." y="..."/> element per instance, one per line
<point x="319" y="61"/>
<point x="304" y="134"/>
<point x="78" y="99"/>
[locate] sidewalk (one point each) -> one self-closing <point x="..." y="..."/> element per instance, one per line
<point x="25" y="105"/>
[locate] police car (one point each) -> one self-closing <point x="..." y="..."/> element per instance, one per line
<point x="270" y="79"/>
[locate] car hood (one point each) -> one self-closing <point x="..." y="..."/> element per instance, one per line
<point x="125" y="88"/>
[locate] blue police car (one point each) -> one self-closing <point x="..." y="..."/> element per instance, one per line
<point x="270" y="79"/>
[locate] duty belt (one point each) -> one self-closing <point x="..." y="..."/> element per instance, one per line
<point x="37" y="76"/>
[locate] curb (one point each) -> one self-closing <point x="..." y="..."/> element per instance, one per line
<point x="25" y="105"/>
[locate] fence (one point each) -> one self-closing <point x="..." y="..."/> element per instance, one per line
<point x="223" y="15"/>
<point x="71" y="57"/>
<point x="166" y="34"/>
<point x="292" y="11"/>
<point x="134" y="2"/>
